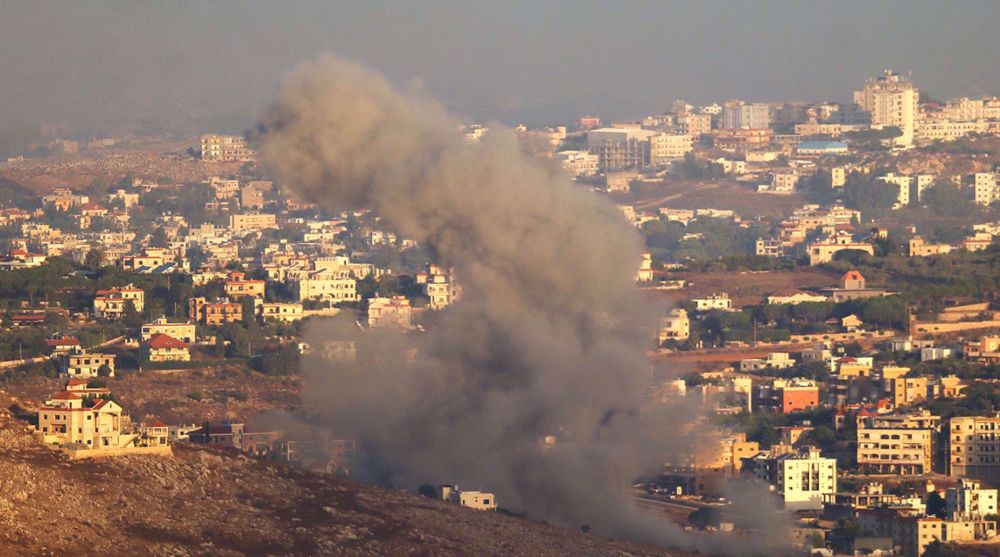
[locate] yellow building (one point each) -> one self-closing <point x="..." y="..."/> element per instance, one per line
<point x="251" y="222"/>
<point x="900" y="444"/>
<point x="904" y="391"/>
<point x="81" y="420"/>
<point x="165" y="348"/>
<point x="280" y="311"/>
<point x="87" y="364"/>
<point x="974" y="447"/>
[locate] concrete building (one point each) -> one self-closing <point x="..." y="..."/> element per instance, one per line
<point x="225" y="148"/>
<point x="974" y="447"/>
<point x="714" y="301"/>
<point x="892" y="100"/>
<point x="969" y="501"/>
<point x="675" y="326"/>
<point x="237" y="286"/>
<point x="389" y="312"/>
<point x="901" y="444"/>
<point x="742" y="115"/>
<point x="785" y="396"/>
<point x="479" y="500"/>
<point x="805" y="478"/>
<point x="285" y="312"/>
<point x="903" y="184"/>
<point x="201" y="310"/>
<point x="165" y="348"/>
<point x="823" y="251"/>
<point x="181" y="331"/>
<point x="665" y="147"/>
<point x="578" y="163"/>
<point x="82" y="418"/>
<point x="111" y="303"/>
<point x="82" y="364"/>
<point x="987" y="188"/>
<point x="251" y="222"/>
<point x="917" y="247"/>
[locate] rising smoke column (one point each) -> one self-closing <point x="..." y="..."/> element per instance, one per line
<point x="549" y="338"/>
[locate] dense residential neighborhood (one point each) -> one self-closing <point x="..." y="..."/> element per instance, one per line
<point x="826" y="275"/>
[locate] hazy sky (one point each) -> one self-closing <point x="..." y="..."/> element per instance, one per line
<point x="201" y="65"/>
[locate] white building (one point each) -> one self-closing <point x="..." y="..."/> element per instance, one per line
<point x="969" y="501"/>
<point x="903" y="185"/>
<point x="713" y="301"/>
<point x="892" y="100"/>
<point x="804" y="478"/>
<point x="578" y="163"/>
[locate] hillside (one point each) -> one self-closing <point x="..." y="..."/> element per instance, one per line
<point x="206" y="502"/>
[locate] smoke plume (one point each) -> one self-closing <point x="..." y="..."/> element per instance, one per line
<point x="549" y="338"/>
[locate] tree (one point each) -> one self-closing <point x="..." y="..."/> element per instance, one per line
<point x="104" y="371"/>
<point x="948" y="200"/>
<point x="94" y="258"/>
<point x="131" y="317"/>
<point x="869" y="195"/>
<point x="158" y="239"/>
<point x="282" y="362"/>
<point x="939" y="549"/>
<point x="936" y="505"/>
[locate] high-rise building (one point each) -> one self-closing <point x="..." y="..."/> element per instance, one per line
<point x="738" y="115"/>
<point x="892" y="100"/>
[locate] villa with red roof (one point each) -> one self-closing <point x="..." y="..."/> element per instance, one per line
<point x="165" y="348"/>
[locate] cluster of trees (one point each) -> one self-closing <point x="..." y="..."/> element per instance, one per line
<point x="692" y="169"/>
<point x="717" y="238"/>
<point x="954" y="274"/>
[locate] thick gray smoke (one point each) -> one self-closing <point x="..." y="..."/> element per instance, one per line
<point x="548" y="339"/>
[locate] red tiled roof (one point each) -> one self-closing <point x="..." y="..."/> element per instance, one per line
<point x="66" y="395"/>
<point x="76" y="382"/>
<point x="157" y="423"/>
<point x="852" y="275"/>
<point x="160" y="340"/>
<point x="64" y="341"/>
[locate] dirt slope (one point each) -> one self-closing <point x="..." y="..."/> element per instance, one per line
<point x="206" y="502"/>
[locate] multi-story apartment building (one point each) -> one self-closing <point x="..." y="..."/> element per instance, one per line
<point x="280" y="311"/>
<point x="238" y="286"/>
<point x="900" y="444"/>
<point x="214" y="313"/>
<point x="987" y="188"/>
<point x="578" y="163"/>
<point x="974" y="447"/>
<point x="675" y="326"/>
<point x="333" y="286"/>
<point x="665" y="147"/>
<point x="225" y="148"/>
<point x="389" y="312"/>
<point x="181" y="331"/>
<point x="969" y="501"/>
<point x="250" y="222"/>
<point x="892" y="100"/>
<point x="742" y="115"/>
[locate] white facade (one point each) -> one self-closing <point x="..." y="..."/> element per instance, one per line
<point x="804" y="478"/>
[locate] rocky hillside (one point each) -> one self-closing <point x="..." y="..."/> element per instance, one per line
<point x="206" y="502"/>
